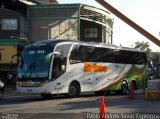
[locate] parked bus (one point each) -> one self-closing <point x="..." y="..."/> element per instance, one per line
<point x="68" y="67"/>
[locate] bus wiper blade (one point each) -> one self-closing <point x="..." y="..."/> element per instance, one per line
<point x="21" y="63"/>
<point x="30" y="71"/>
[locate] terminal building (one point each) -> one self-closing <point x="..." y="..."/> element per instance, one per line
<point x="27" y="21"/>
<point x="69" y="21"/>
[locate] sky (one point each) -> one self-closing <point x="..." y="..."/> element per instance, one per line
<point x="146" y="13"/>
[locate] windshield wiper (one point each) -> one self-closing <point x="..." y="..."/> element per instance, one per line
<point x="30" y="71"/>
<point x="21" y="63"/>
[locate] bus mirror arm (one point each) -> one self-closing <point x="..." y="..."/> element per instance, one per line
<point x="10" y="61"/>
<point x="12" y="58"/>
<point x="48" y="57"/>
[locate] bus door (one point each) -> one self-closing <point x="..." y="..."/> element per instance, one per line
<point x="60" y="60"/>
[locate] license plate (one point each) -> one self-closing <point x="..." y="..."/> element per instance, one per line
<point x="29" y="90"/>
<point x="26" y="84"/>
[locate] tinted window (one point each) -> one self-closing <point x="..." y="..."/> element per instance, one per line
<point x="63" y="49"/>
<point x="105" y="55"/>
<point x="90" y="54"/>
<point x="97" y="54"/>
<point x="77" y="54"/>
<point x="130" y="57"/>
<point x="123" y="57"/>
<point x="141" y="58"/>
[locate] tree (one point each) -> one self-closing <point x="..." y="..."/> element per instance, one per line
<point x="143" y="46"/>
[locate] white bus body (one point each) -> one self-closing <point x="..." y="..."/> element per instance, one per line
<point x="77" y="67"/>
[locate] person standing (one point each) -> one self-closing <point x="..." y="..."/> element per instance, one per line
<point x="1" y="89"/>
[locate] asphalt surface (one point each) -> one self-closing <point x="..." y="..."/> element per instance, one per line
<point x="20" y="106"/>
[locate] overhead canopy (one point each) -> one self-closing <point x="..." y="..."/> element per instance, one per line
<point x="16" y="5"/>
<point x="14" y="41"/>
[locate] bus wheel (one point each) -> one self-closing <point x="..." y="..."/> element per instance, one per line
<point x="47" y="96"/>
<point x="74" y="90"/>
<point x="124" y="87"/>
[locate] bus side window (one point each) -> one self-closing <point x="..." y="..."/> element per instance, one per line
<point x="57" y="63"/>
<point x="90" y="54"/>
<point x="105" y="55"/>
<point x="60" y="62"/>
<point x="77" y="54"/>
<point x="142" y="58"/>
<point x="64" y="50"/>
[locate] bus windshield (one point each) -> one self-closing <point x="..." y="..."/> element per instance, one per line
<point x="32" y="63"/>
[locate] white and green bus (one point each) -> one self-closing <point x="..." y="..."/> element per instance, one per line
<point x="52" y="67"/>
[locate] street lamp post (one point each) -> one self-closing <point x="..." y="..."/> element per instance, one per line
<point x="24" y="39"/>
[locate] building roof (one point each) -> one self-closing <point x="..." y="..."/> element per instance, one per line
<point x="21" y="5"/>
<point x="45" y="1"/>
<point x="14" y="41"/>
<point x="14" y="5"/>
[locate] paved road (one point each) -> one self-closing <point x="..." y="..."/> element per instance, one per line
<point x="79" y="108"/>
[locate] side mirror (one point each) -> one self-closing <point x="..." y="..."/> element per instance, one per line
<point x="11" y="61"/>
<point x="12" y="58"/>
<point x="48" y="57"/>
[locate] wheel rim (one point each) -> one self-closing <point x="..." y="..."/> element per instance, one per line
<point x="73" y="90"/>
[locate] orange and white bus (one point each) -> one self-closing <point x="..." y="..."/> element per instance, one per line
<point x="68" y="67"/>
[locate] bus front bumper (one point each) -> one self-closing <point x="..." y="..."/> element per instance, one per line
<point x="32" y="90"/>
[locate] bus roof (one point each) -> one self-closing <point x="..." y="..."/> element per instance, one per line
<point x="112" y="46"/>
<point x="53" y="42"/>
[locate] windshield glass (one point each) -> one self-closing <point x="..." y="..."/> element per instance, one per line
<point x="32" y="63"/>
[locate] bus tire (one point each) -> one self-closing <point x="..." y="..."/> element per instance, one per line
<point x="74" y="90"/>
<point x="47" y="96"/>
<point x="124" y="87"/>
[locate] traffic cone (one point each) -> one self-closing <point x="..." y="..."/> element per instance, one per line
<point x="102" y="111"/>
<point x="131" y="91"/>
